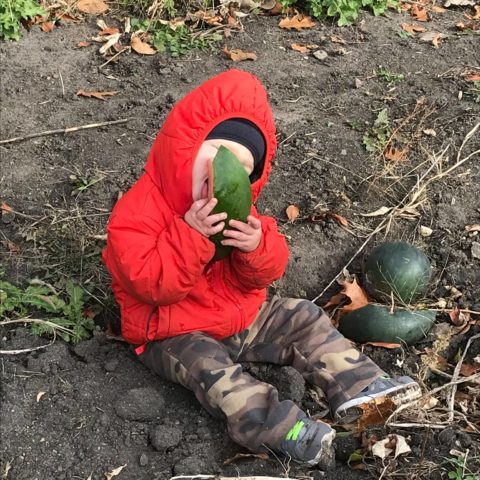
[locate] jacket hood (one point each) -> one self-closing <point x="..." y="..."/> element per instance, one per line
<point x="231" y="94"/>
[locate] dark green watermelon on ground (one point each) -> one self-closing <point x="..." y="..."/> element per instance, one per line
<point x="376" y="323"/>
<point x="397" y="269"/>
<point x="230" y="185"/>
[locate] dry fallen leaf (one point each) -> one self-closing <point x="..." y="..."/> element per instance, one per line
<point x="418" y="13"/>
<point x="395" y="155"/>
<point x="335" y="39"/>
<point x="411" y="28"/>
<point x="297" y="22"/>
<point x="93" y="7"/>
<point x="298" y="47"/>
<point x="384" y="345"/>
<point x="437" y="9"/>
<point x="98" y="95"/>
<point x="473" y="228"/>
<point x="83" y="44"/>
<point x="47" y="26"/>
<point x="375" y="412"/>
<point x="109" y="31"/>
<point x="114" y="472"/>
<point x="238" y="55"/>
<point x="433" y="37"/>
<point x="292" y="213"/>
<point x="142" y="48"/>
<point x="458" y="317"/>
<point x="473" y="26"/>
<point x="392" y="444"/>
<point x="350" y="290"/>
<point x="459" y="3"/>
<point x="468" y="369"/>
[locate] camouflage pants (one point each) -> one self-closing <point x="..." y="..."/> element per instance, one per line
<point x="286" y="332"/>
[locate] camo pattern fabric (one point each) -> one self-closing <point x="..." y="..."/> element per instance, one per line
<point x="286" y="331"/>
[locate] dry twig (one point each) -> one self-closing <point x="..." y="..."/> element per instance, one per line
<point x="63" y="130"/>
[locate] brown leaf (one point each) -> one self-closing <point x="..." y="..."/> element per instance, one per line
<point x="292" y="213"/>
<point x="240" y="456"/>
<point x="350" y="290"/>
<point x="405" y="7"/>
<point x="468" y="369"/>
<point x="114" y="472"/>
<point x="476" y="15"/>
<point x="142" y="48"/>
<point x="384" y="345"/>
<point x="395" y="155"/>
<point x="297" y="22"/>
<point x="47" y="26"/>
<point x="433" y="37"/>
<point x="475" y="227"/>
<point x="93" y="7"/>
<point x="83" y="44"/>
<point x="10" y="246"/>
<point x="98" y="95"/>
<point x="438" y="9"/>
<point x="298" y="47"/>
<point x="458" y="317"/>
<point x="109" y="31"/>
<point x="238" y="55"/>
<point x="411" y="28"/>
<point x="335" y="39"/>
<point x="338" y="218"/>
<point x="468" y="26"/>
<point x="420" y="14"/>
<point x="473" y="77"/>
<point x="375" y="412"/>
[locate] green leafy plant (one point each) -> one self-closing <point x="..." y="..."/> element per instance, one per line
<point x="141" y="7"/>
<point x="176" y="40"/>
<point x="462" y="472"/>
<point x="12" y="12"/>
<point x="345" y="11"/>
<point x="66" y="310"/>
<point x="376" y="137"/>
<point x="389" y="77"/>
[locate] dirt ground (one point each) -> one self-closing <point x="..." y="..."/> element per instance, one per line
<point x="101" y="409"/>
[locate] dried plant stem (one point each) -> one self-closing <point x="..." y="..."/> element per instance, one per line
<point x="455" y="376"/>
<point x="63" y="130"/>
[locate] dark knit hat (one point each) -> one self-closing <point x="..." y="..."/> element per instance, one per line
<point x="246" y="133"/>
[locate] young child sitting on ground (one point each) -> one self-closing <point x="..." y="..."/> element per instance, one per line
<point x="193" y="319"/>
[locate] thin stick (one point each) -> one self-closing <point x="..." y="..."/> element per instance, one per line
<point x="61" y="81"/>
<point x="455" y="375"/>
<point x="113" y="58"/>
<point x="64" y="130"/>
<point x="27" y="350"/>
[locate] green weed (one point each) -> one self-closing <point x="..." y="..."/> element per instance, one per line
<point x="345" y="11"/>
<point x="389" y="77"/>
<point x="66" y="309"/>
<point x="177" y="41"/>
<point x="376" y="137"/>
<point x="462" y="471"/>
<point x="12" y="12"/>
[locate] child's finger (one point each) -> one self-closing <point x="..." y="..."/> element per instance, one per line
<point x="215" y="229"/>
<point x="198" y="205"/>
<point x="217" y="217"/>
<point x="231" y="243"/>
<point x="240" y="226"/>
<point x="236" y="235"/>
<point x="204" y="212"/>
<point x="254" y="222"/>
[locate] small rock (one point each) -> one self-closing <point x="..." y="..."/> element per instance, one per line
<point x="104" y="421"/>
<point x="111" y="365"/>
<point x="143" y="460"/>
<point x="343" y="152"/>
<point x="425" y="231"/>
<point x="140" y="404"/>
<point x="164" y="437"/>
<point x="358" y="83"/>
<point x="476" y="250"/>
<point x="191" y="465"/>
<point x="320" y="54"/>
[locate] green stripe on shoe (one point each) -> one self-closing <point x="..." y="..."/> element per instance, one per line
<point x="294" y="431"/>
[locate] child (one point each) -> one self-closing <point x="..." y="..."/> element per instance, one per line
<point x="192" y="319"/>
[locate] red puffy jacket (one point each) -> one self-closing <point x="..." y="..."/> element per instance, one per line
<point x="161" y="268"/>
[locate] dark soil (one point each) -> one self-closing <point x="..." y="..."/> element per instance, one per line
<point x="101" y="408"/>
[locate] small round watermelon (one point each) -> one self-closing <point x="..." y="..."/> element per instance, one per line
<point x="397" y="269"/>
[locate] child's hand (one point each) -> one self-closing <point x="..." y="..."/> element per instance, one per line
<point x="246" y="237"/>
<point x="199" y="218"/>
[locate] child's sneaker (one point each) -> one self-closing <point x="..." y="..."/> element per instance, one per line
<point x="400" y="390"/>
<point x="310" y="443"/>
